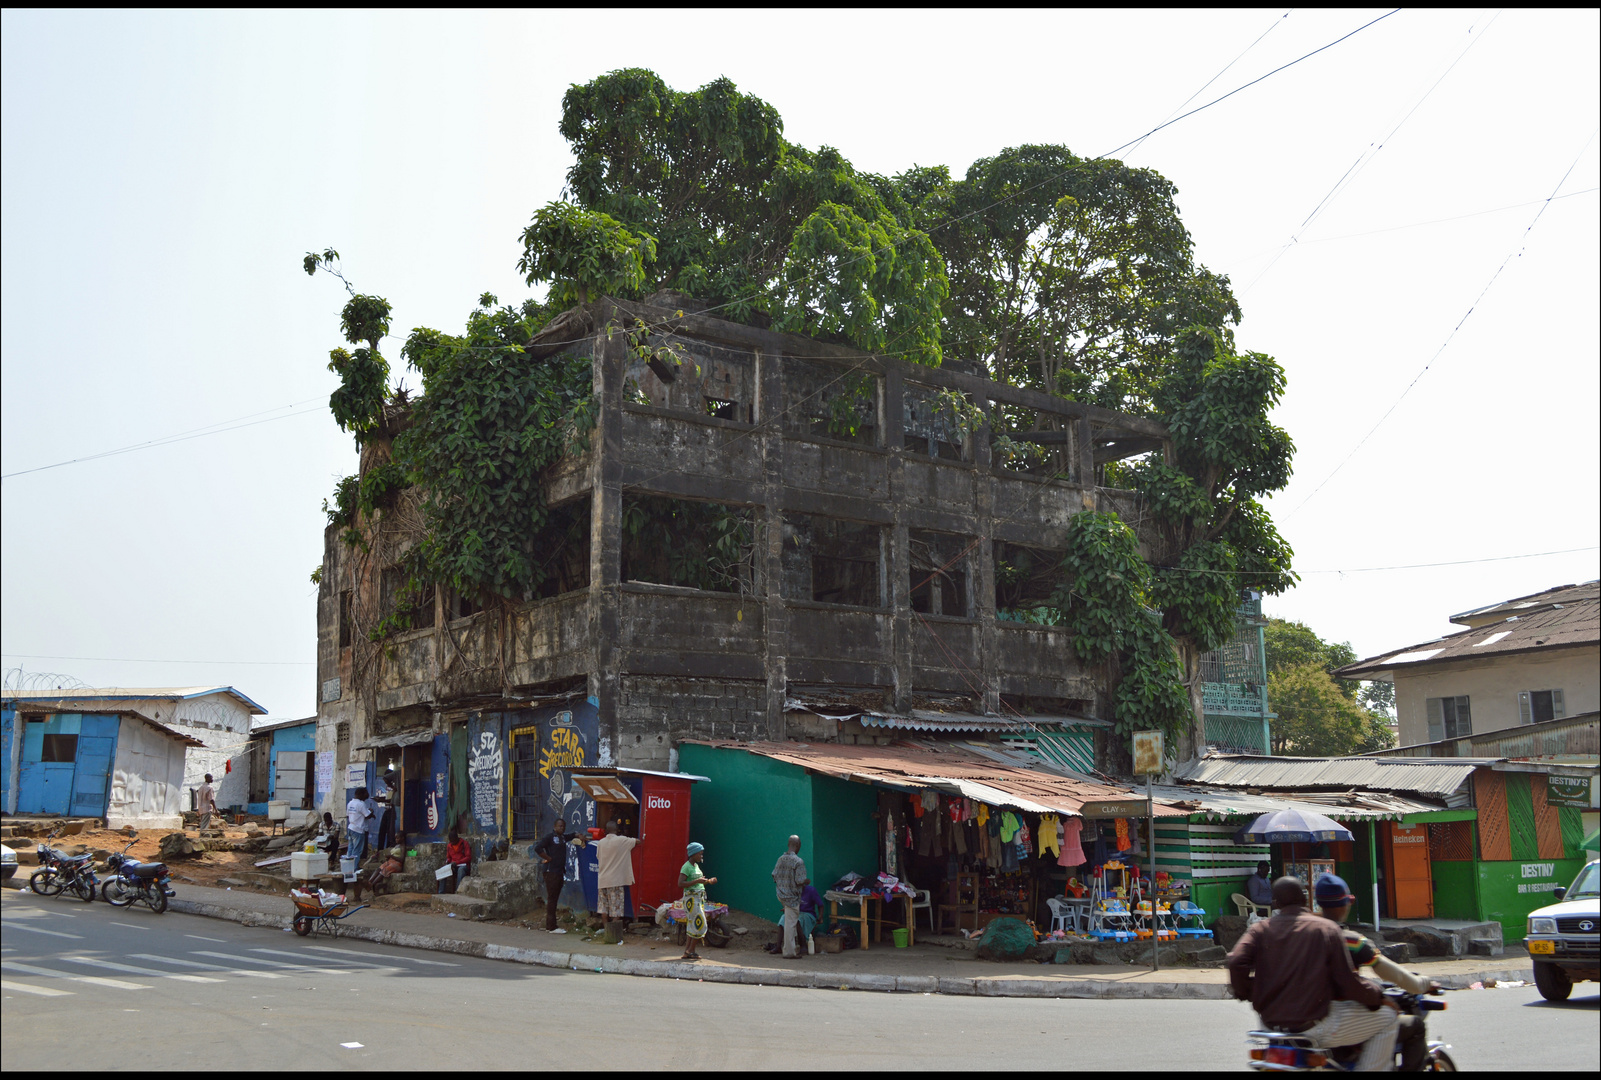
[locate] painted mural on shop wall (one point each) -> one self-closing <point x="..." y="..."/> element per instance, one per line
<point x="486" y="776"/>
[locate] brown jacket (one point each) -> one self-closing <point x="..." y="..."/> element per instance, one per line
<point x="1300" y="964"/>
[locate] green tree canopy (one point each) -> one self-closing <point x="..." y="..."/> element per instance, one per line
<point x="720" y="206"/>
<point x="1356" y="723"/>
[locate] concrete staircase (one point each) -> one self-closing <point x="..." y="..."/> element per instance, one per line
<point x="495" y="890"/>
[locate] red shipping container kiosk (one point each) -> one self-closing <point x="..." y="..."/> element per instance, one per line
<point x="653" y="806"/>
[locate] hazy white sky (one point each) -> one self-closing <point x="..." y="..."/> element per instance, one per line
<point x="164" y="172"/>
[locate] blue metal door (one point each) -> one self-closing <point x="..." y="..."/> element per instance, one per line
<point x="97" y="745"/>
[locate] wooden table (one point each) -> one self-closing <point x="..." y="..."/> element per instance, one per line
<point x="869" y="913"/>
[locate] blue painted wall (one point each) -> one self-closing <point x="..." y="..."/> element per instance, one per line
<point x="8" y="725"/>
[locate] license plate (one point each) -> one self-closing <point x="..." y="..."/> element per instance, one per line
<point x="1542" y="947"/>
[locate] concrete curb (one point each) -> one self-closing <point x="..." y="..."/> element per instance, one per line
<point x="1004" y="986"/>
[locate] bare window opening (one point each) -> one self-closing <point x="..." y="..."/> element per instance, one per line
<point x="459" y="606"/>
<point x="940" y="573"/>
<point x="59" y="748"/>
<point x="832" y="561"/>
<point x="704" y="372"/>
<point x="827" y="402"/>
<point x="930" y="427"/>
<point x="696" y="545"/>
<point x="413" y="605"/>
<point x="344" y="619"/>
<point x="1025" y="581"/>
<point x="564" y="542"/>
<point x="724" y="410"/>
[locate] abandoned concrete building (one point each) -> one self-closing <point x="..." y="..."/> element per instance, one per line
<point x="887" y="561"/>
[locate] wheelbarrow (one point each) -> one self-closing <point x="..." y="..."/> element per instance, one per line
<point x="311" y="913"/>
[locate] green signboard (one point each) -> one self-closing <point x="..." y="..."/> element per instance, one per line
<point x="1570" y="791"/>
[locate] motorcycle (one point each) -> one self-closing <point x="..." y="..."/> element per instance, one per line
<point x="133" y="880"/>
<point x="1283" y="1051"/>
<point x="60" y="873"/>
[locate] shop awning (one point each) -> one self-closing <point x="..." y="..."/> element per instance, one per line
<point x="405" y="738"/>
<point x="1223" y="804"/>
<point x="954" y="770"/>
<point x="604" y="789"/>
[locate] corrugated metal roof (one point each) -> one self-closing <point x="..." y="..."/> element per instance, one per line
<point x="1423" y="776"/>
<point x="1218" y="804"/>
<point x="103" y="708"/>
<point x="953" y="770"/>
<point x="279" y="725"/>
<point x="143" y="693"/>
<point x="922" y="720"/>
<point x="1575" y="621"/>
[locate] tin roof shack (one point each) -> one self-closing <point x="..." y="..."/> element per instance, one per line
<point x="1507" y="831"/>
<point x="217" y="718"/>
<point x="82" y="758"/>
<point x="1523" y="661"/>
<point x="282" y="765"/>
<point x="847" y="804"/>
<point x="867" y="537"/>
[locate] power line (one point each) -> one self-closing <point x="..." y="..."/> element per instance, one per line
<point x="183" y="436"/>
<point x="1376" y="569"/>
<point x="1272" y="27"/>
<point x="1365" y="158"/>
<point x="1522" y="243"/>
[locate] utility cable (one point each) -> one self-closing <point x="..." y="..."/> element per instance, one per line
<point x="1517" y="253"/>
<point x="1363" y="159"/>
<point x="183" y="436"/>
<point x="138" y="660"/>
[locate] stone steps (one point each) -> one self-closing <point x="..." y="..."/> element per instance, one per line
<point x="462" y="906"/>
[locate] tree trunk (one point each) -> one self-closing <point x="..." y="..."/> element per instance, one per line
<point x="1192" y="742"/>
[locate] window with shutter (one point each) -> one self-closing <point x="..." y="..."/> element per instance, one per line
<point x="1525" y="712"/>
<point x="1557" y="707"/>
<point x="1449" y="718"/>
<point x="1436" y="720"/>
<point x="1535" y="706"/>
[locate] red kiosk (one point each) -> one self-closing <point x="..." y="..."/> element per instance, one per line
<point x="653" y="806"/>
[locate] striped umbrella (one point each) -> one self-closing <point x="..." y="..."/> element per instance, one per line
<point x="1291" y="827"/>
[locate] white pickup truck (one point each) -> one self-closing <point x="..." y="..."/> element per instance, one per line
<point x="1565" y="938"/>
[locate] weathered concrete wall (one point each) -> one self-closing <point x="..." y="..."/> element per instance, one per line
<point x="863" y="517"/>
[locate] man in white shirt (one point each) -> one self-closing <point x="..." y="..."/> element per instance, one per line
<point x="614" y="856"/>
<point x="206" y="801"/>
<point x="356" y="815"/>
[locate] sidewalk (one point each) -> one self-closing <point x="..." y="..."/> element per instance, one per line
<point x="926" y="969"/>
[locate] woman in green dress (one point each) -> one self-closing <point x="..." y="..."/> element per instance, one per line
<point x="693" y="880"/>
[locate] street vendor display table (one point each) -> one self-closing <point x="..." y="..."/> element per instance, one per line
<point x="869" y="913"/>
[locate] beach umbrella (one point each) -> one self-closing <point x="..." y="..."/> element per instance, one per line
<point x="1291" y="827"/>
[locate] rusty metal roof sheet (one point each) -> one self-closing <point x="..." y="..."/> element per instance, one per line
<point x="1561" y="594"/>
<point x="1216" y="804"/>
<point x="1570" y="622"/>
<point x="1422" y="776"/>
<point x="953" y="770"/>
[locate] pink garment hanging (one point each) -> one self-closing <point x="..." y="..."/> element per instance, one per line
<point x="1072" y="851"/>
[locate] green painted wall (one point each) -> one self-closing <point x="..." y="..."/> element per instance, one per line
<point x="753" y="804"/>
<point x="1454" y="896"/>
<point x="1508" y="891"/>
<point x="843" y="835"/>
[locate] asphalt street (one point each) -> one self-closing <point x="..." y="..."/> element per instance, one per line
<point x="191" y="993"/>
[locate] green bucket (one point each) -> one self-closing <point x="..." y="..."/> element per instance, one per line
<point x="901" y="937"/>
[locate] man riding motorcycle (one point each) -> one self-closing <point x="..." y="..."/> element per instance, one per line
<point x="1334" y="900"/>
<point x="1297" y="972"/>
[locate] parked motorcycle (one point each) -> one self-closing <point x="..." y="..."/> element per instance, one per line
<point x="60" y="873"/>
<point x="1282" y="1051"/>
<point x="133" y="880"/>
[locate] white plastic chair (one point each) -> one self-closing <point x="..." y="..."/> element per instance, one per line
<point x="923" y="901"/>
<point x="1064" y="916"/>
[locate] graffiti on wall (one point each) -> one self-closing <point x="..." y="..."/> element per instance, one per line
<point x="486" y="773"/>
<point x="561" y="748"/>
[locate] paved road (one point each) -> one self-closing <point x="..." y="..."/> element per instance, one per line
<point x="188" y="992"/>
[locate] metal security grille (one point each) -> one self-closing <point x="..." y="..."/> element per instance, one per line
<point x="1235" y="734"/>
<point x="1070" y="749"/>
<point x="1451" y="841"/>
<point x="525" y="784"/>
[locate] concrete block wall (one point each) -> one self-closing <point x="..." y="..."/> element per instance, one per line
<point x="654" y="712"/>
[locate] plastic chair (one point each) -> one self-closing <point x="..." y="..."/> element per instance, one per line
<point x="1064" y="916"/>
<point x="1247" y="908"/>
<point x="923" y="901"/>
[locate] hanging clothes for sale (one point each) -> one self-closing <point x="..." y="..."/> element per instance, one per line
<point x="1123" y="843"/>
<point x="1009" y="826"/>
<point x="1072" y="850"/>
<point x="983" y="813"/>
<point x="930" y="800"/>
<point x="1023" y="836"/>
<point x="1049" y="825"/>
